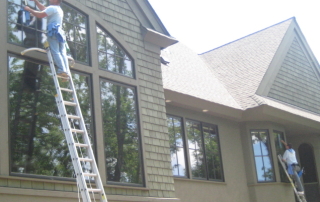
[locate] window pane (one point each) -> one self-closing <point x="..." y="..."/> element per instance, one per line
<point x="121" y="136"/>
<point x="280" y="148"/>
<point x="38" y="145"/>
<point x="198" y="167"/>
<point x="176" y="146"/>
<point x="81" y="53"/>
<point x="261" y="150"/>
<point x="212" y="149"/>
<point x="102" y="60"/>
<point x="75" y="27"/>
<point x="118" y="61"/>
<point x="32" y="33"/>
<point x="21" y="31"/>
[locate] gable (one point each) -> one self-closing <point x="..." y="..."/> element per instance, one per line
<point x="241" y="65"/>
<point x="297" y="82"/>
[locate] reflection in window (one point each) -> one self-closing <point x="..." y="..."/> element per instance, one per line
<point x="27" y="33"/>
<point x="204" y="151"/>
<point x="262" y="155"/>
<point x="75" y="27"/>
<point x="32" y="33"/>
<point x="280" y="148"/>
<point x="111" y="56"/>
<point x="38" y="145"/>
<point x="177" y="150"/>
<point x="121" y="133"/>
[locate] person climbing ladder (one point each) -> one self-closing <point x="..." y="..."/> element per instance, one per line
<point x="289" y="157"/>
<point x="55" y="34"/>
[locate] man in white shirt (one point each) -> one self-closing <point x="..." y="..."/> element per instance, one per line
<point x="55" y="35"/>
<point x="289" y="157"/>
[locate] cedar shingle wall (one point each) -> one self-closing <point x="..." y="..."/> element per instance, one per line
<point x="122" y="19"/>
<point x="119" y="15"/>
<point x="296" y="82"/>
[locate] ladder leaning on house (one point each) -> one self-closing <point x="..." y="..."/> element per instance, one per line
<point x="82" y="156"/>
<point x="301" y="198"/>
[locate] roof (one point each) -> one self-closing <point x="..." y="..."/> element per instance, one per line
<point x="231" y="74"/>
<point x="186" y="73"/>
<point x="240" y="65"/>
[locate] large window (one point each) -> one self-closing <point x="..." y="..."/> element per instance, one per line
<point x="262" y="155"/>
<point x="111" y="55"/>
<point x="204" y="150"/>
<point x="75" y="27"/>
<point x="280" y="148"/>
<point x="177" y="146"/>
<point x="32" y="33"/>
<point x="38" y="145"/>
<point x="121" y="133"/>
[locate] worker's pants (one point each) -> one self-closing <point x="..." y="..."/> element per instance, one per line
<point x="59" y="54"/>
<point x="296" y="178"/>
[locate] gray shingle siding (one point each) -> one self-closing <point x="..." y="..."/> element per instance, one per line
<point x="296" y="82"/>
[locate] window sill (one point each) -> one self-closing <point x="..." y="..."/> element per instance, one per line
<point x="200" y="181"/>
<point x="30" y="179"/>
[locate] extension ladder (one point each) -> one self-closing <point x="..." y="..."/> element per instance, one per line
<point x="301" y="198"/>
<point x="78" y="141"/>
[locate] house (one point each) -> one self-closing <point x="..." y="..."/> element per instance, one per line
<point x="229" y="108"/>
<point x="165" y="123"/>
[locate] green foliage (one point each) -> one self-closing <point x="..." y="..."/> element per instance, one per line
<point x="38" y="145"/>
<point x="121" y="137"/>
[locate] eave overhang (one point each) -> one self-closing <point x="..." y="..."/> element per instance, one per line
<point x="157" y="38"/>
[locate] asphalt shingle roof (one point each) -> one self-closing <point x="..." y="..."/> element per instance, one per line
<point x="188" y="74"/>
<point x="240" y="65"/>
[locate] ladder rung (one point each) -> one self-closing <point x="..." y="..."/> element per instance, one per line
<point x="77" y="131"/>
<point x="90" y="174"/>
<point x="85" y="159"/>
<point x="73" y="116"/>
<point x="94" y="190"/>
<point x="66" y="89"/>
<point x="70" y="103"/>
<point x="81" y="145"/>
<point x="63" y="77"/>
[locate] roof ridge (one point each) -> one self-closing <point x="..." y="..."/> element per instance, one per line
<point x="247" y="36"/>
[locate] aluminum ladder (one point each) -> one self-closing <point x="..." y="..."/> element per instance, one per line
<point x="77" y="138"/>
<point x="301" y="198"/>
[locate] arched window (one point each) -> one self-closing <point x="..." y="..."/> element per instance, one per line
<point x="111" y="55"/>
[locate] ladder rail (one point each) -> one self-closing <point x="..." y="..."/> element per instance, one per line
<point x="69" y="132"/>
<point x="291" y="182"/>
<point x="87" y="141"/>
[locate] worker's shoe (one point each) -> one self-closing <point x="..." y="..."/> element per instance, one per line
<point x="63" y="74"/>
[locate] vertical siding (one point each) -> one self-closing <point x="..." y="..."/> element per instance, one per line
<point x="119" y="15"/>
<point x="297" y="82"/>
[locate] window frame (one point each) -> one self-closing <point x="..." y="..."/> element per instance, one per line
<point x="21" y="44"/>
<point x="187" y="167"/>
<point x="270" y="154"/>
<point x="133" y="66"/>
<point x="139" y="135"/>
<point x="93" y="130"/>
<point x="203" y="145"/>
<point x="282" y="174"/>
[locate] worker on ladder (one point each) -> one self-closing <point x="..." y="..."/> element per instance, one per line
<point x="55" y="34"/>
<point x="293" y="167"/>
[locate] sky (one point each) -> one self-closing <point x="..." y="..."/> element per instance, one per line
<point x="203" y="25"/>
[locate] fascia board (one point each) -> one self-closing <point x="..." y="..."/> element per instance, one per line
<point x="196" y="104"/>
